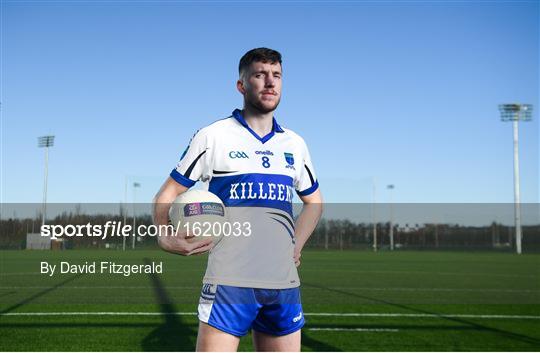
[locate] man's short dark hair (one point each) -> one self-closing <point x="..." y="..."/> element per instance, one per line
<point x="264" y="55"/>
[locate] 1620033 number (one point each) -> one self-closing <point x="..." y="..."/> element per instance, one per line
<point x="218" y="229"/>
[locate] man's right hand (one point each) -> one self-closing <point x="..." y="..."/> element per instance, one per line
<point x="179" y="243"/>
<point x="176" y="243"/>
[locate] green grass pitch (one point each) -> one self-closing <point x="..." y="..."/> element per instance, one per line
<point x="353" y="301"/>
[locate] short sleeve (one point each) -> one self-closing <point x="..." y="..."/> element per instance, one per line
<point x="194" y="163"/>
<point x="306" y="182"/>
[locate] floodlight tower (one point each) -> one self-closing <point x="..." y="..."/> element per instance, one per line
<point x="515" y="113"/>
<point x="374" y="218"/>
<point x="391" y="187"/>
<point x="45" y="142"/>
<point x="135" y="186"/>
<point x="125" y="211"/>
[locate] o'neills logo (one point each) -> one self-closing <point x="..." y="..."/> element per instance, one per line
<point x="297" y="318"/>
<point x="261" y="191"/>
<point x="200" y="208"/>
<point x="265" y="153"/>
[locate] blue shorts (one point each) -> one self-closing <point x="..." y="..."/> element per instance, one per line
<point x="236" y="310"/>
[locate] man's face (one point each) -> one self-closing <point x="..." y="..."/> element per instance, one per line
<point x="261" y="86"/>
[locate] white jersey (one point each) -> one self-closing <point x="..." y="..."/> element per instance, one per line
<point x="255" y="177"/>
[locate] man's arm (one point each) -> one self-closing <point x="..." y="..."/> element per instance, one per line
<point x="307" y="221"/>
<point x="174" y="243"/>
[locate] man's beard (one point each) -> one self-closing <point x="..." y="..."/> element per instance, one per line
<point x="256" y="105"/>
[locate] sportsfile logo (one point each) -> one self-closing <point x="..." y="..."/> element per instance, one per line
<point x="237" y="154"/>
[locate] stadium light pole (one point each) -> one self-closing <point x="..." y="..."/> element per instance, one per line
<point x="374" y="217"/>
<point x="515" y="113"/>
<point x="135" y="186"/>
<point x="125" y="211"/>
<point x="45" y="142"/>
<point x="391" y="187"/>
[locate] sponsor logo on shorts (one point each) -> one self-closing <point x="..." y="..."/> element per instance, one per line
<point x="208" y="293"/>
<point x="208" y="289"/>
<point x="297" y="318"/>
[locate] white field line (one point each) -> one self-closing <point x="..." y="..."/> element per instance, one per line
<point x="99" y="313"/>
<point x="387" y="289"/>
<point x="352" y="329"/>
<point x="149" y="313"/>
<point x="20" y="274"/>
<point x="98" y="287"/>
<point x="412" y="289"/>
<point x="41" y="274"/>
<point x="468" y="316"/>
<point x="482" y="274"/>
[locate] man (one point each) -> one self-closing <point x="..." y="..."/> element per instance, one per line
<point x="254" y="165"/>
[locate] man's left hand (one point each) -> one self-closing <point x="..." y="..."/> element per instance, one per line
<point x="297" y="254"/>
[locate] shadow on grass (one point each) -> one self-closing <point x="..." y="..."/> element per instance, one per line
<point x="173" y="334"/>
<point x="471" y="325"/>
<point x="316" y="345"/>
<point x="39" y="294"/>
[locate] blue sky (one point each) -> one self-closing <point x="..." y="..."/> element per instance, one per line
<point x="403" y="92"/>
